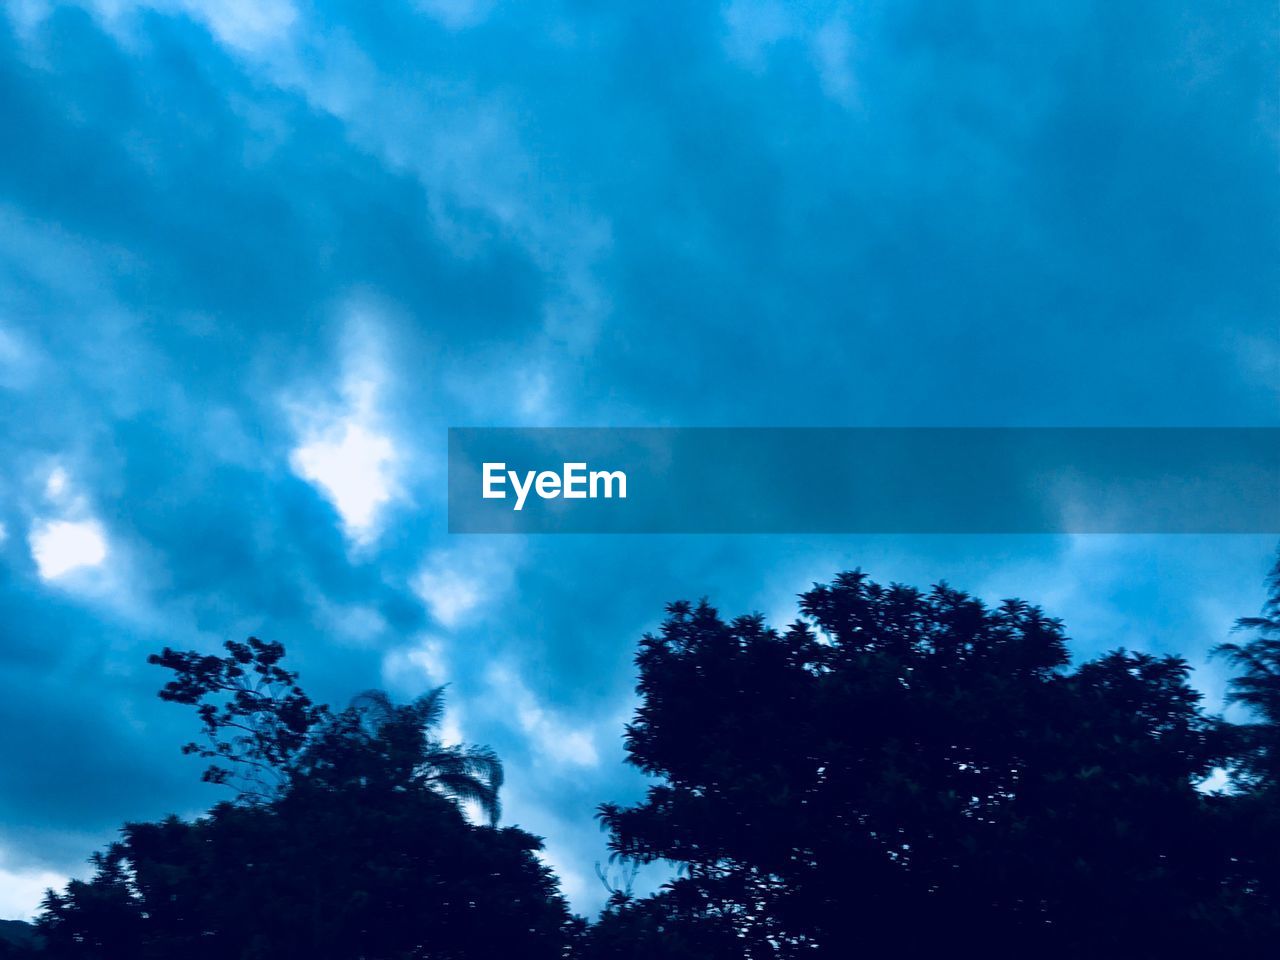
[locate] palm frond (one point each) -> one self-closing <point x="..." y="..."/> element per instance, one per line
<point x="374" y="706"/>
<point x="429" y="708"/>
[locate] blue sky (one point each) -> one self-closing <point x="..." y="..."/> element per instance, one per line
<point x="257" y="255"/>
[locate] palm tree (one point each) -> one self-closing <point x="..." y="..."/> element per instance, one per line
<point x="265" y="736"/>
<point x="468" y="774"/>
<point x="1258" y="688"/>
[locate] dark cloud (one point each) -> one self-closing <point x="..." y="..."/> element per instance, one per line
<point x="224" y="235"/>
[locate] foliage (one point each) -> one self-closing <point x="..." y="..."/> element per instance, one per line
<point x="256" y="720"/>
<point x="903" y="771"/>
<point x="1254" y="810"/>
<point x="897" y="772"/>
<point x="1258" y="689"/>
<point x="346" y="842"/>
<point x="262" y="731"/>
<point x="352" y="872"/>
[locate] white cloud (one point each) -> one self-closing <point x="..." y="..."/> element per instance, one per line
<point x="351" y="464"/>
<point x="413" y="670"/>
<point x="421" y="666"/>
<point x="342" y="450"/>
<point x="247" y="26"/>
<point x="355" y="623"/>
<point x="417" y="667"/>
<point x="449" y="594"/>
<point x="60" y="546"/>
<point x="70" y="545"/>
<point x="244" y="24"/>
<point x="56" y="485"/>
<point x="570" y="852"/>
<point x="550" y="735"/>
<point x="456" y="14"/>
<point x="17" y="360"/>
<point x="573" y="884"/>
<point x="753" y="26"/>
<point x="533" y="396"/>
<point x="450" y="731"/>
<point x="455" y="583"/>
<point x="833" y="50"/>
<point x="22" y="890"/>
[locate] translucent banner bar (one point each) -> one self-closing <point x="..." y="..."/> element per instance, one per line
<point x="864" y="480"/>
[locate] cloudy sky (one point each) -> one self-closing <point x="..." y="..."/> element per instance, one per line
<point x="257" y="255"/>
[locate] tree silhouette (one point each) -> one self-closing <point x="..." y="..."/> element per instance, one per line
<point x="256" y="719"/>
<point x="1258" y="689"/>
<point x="262" y="731"/>
<point x="346" y="842"/>
<point x="897" y="772"/>
<point x="1253" y="814"/>
<point x="904" y="771"/>
<point x="471" y="774"/>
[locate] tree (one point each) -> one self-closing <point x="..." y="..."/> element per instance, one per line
<point x="262" y="731"/>
<point x="348" y="843"/>
<point x="908" y="772"/>
<point x="1258" y="690"/>
<point x="1253" y="815"/>
<point x="321" y="873"/>
<point x="256" y="720"/>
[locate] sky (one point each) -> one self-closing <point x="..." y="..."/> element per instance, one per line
<point x="256" y="256"/>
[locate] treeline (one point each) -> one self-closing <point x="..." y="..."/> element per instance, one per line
<point x="896" y="773"/>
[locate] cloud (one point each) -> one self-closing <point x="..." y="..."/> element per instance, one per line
<point x="456" y="583"/>
<point x="449" y="594"/>
<point x="22" y="888"/>
<point x="351" y="465"/>
<point x="833" y="47"/>
<point x="573" y="880"/>
<point x="56" y="485"/>
<point x="311" y="238"/>
<point x="417" y="667"/>
<point x="16" y="362"/>
<point x="753" y="26"/>
<point x="343" y="452"/>
<point x="242" y="25"/>
<point x="451" y="732"/>
<point x="61" y="546"/>
<point x="358" y="623"/>
<point x="457" y="14"/>
<point x="71" y="540"/>
<point x="551" y="736"/>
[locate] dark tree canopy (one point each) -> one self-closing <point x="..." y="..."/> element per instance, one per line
<point x="1258" y="689"/>
<point x="897" y="773"/>
<point x="346" y="841"/>
<point x="906" y="772"/>
<point x="1255" y="810"/>
<point x="351" y="872"/>
<point x="256" y="720"/>
<point x="262" y="733"/>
